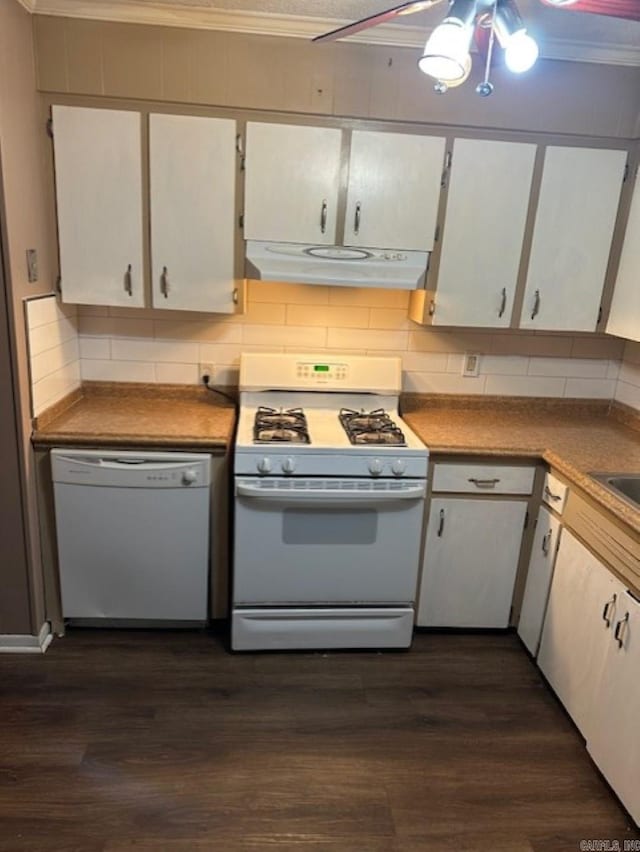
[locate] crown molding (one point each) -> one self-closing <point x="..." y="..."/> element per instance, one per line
<point x="293" y="26"/>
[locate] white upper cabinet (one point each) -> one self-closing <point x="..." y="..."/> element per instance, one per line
<point x="574" y="224"/>
<point x="292" y="183"/>
<point x="486" y="215"/>
<point x="192" y="173"/>
<point x="393" y="190"/>
<point x="98" y="166"/>
<point x="624" y="319"/>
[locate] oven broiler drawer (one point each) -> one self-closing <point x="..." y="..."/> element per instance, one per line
<point x="282" y="628"/>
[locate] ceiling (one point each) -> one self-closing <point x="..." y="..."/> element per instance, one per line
<point x="560" y="33"/>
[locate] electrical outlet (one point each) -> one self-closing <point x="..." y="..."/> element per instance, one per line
<point x="206" y="369"/>
<point x="471" y="364"/>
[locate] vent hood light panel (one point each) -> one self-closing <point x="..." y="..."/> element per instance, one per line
<point x="341" y="266"/>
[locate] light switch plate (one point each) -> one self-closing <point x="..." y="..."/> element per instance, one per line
<point x="471" y="364"/>
<point x="32" y="265"/>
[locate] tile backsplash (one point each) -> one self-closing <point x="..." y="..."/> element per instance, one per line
<point x="53" y="350"/>
<point x="146" y="345"/>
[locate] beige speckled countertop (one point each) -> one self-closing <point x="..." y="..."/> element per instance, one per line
<point x="574" y="438"/>
<point x="114" y="414"/>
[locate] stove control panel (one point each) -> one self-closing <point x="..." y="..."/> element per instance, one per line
<point x="321" y="373"/>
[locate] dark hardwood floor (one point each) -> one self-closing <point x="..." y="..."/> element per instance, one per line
<point x="165" y="742"/>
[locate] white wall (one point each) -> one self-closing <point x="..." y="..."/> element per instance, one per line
<point x="119" y="344"/>
<point x="53" y="351"/>
<point x="628" y="384"/>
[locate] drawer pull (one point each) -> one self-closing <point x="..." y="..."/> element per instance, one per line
<point x="484" y="483"/>
<point x="620" y="630"/>
<point x="546" y="541"/>
<point x="607" y="610"/>
<point x="549" y="493"/>
<point x="441" y="524"/>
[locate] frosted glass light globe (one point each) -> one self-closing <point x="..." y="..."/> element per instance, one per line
<point x="521" y="52"/>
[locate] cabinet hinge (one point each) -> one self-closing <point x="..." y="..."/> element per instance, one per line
<point x="432" y="307"/>
<point x="59" y="284"/>
<point x="599" y="320"/>
<point x="241" y="220"/>
<point x="526" y="520"/>
<point x="436" y="236"/>
<point x="626" y="172"/>
<point x="49" y="126"/>
<point x="242" y="161"/>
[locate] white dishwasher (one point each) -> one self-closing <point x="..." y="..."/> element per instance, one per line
<point x="133" y="535"/>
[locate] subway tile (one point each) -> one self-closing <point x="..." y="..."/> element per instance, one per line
<point x="632" y="352"/>
<point x="177" y="374"/>
<point x="597" y="346"/>
<point x="630" y="373"/>
<point x="525" y="385"/>
<point x="117" y="371"/>
<point x="52" y="360"/>
<point x="94" y="347"/>
<point x="590" y="388"/>
<point x="55" y="386"/>
<point x="368" y="297"/>
<point x="328" y="316"/>
<point x="93" y="326"/>
<point x="628" y="394"/>
<point x="519" y="343"/>
<point x="437" y="340"/>
<point x="392" y="318"/>
<point x="613" y="370"/>
<point x="264" y="313"/>
<point x="93" y="311"/>
<point x="442" y="383"/>
<point x="367" y="338"/>
<point x="455" y="362"/>
<point x="288" y="294"/>
<point x="226" y="376"/>
<point x="306" y="337"/>
<point x="177" y="351"/>
<point x="52" y="334"/>
<point x="42" y="311"/>
<point x="586" y="368"/>
<point x="504" y="365"/>
<point x="197" y="330"/>
<point x="424" y="362"/>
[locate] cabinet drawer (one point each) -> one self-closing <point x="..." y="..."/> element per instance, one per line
<point x="483" y="478"/>
<point x="554" y="493"/>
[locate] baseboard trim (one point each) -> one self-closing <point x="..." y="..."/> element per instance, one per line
<point x="17" y="643"/>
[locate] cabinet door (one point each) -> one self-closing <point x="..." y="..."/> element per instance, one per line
<point x="470" y="562"/>
<point x="393" y="190"/>
<point x="291" y="183"/>
<point x="97" y="154"/>
<point x="577" y="628"/>
<point x="574" y="224"/>
<point x="613" y="742"/>
<point x="536" y="593"/>
<point x="486" y="214"/>
<point x="192" y="167"/>
<point x="624" y="319"/>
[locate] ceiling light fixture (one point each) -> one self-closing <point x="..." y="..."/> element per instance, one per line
<point x="446" y="54"/>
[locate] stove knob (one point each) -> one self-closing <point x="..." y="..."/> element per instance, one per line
<point x="189" y="477"/>
<point x="264" y="465"/>
<point x="288" y="465"/>
<point x="375" y="467"/>
<point x="398" y="467"/>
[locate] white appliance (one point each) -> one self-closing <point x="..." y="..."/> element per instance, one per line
<point x="336" y="265"/>
<point x="328" y="522"/>
<point x="133" y="535"/>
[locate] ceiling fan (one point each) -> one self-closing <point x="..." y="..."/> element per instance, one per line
<point x="446" y="56"/>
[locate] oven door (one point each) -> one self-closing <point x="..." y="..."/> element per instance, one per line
<point x="337" y="541"/>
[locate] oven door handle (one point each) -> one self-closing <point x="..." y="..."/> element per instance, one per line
<point x="318" y="495"/>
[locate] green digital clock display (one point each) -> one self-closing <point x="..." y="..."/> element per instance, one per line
<point x="321" y="368"/>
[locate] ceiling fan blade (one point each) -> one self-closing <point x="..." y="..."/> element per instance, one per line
<point x="629" y="9"/>
<point x="380" y="18"/>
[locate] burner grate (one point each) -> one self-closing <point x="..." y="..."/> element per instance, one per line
<point x="372" y="427"/>
<point x="283" y="425"/>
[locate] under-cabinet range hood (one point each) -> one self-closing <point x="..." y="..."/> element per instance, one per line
<point x="338" y="265"/>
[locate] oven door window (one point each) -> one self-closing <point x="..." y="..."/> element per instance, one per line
<point x="329" y="527"/>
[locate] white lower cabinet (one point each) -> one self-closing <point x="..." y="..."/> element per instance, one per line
<point x="470" y="563"/>
<point x="614" y="739"/>
<point x="583" y="607"/>
<point x="536" y="593"/>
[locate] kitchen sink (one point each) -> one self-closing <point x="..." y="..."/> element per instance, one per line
<point x="623" y="484"/>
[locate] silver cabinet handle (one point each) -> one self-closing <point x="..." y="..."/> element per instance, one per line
<point x="503" y="303"/>
<point x="128" y="282"/>
<point x="239" y="144"/>
<point x="621" y="627"/>
<point x="446" y="170"/>
<point x="441" y="524"/>
<point x="356" y="221"/>
<point x="536" y="305"/>
<point x="483" y="483"/>
<point x="607" y="610"/>
<point x="546" y="541"/>
<point x="164" y="282"/>
<point x="549" y="493"/>
<point x="323" y="216"/>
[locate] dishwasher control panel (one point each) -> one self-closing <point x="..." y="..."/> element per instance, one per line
<point x="131" y="469"/>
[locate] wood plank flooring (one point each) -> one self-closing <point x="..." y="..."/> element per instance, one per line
<point x="166" y="742"/>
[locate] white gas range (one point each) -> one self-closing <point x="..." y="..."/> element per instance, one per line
<point x="329" y="499"/>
